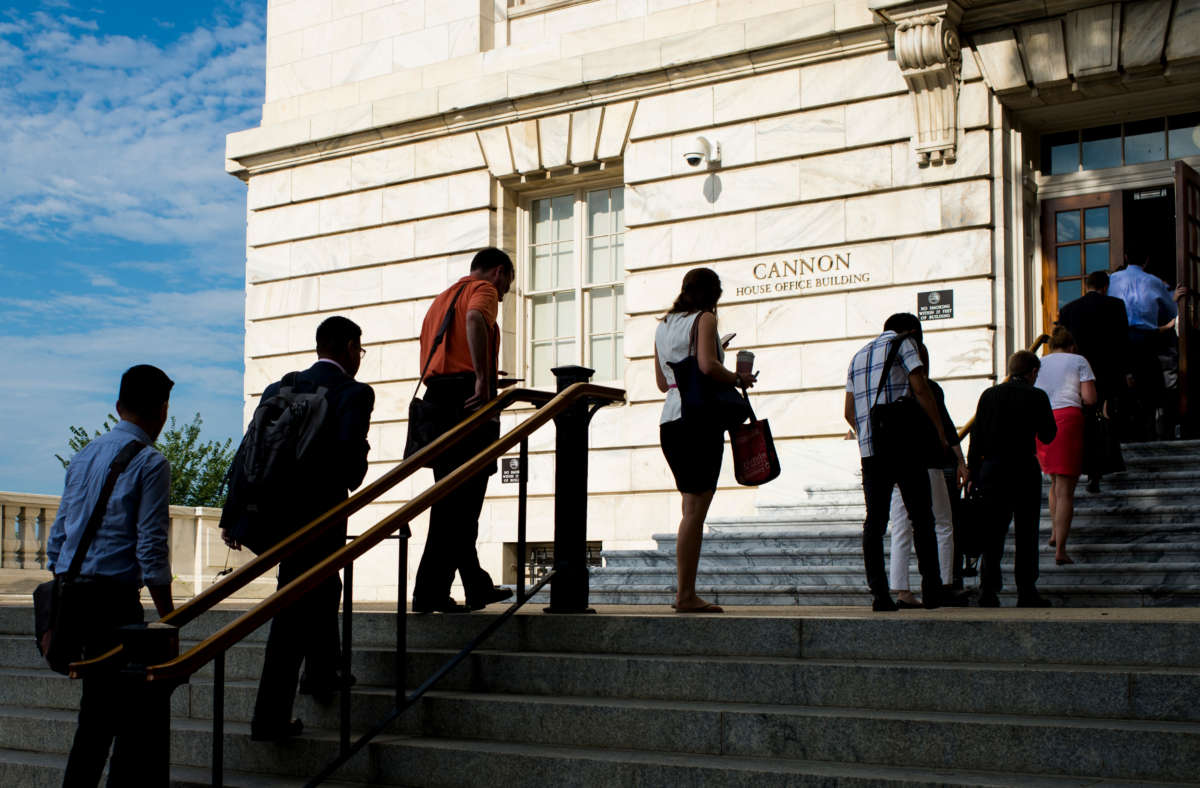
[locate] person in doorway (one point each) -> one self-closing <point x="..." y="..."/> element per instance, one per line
<point x="1003" y="462"/>
<point x="128" y="550"/>
<point x="307" y="631"/>
<point x="1149" y="304"/>
<point x="886" y="467"/>
<point x="1101" y="330"/>
<point x="1068" y="381"/>
<point x="692" y="450"/>
<point x="945" y="468"/>
<point x="461" y="376"/>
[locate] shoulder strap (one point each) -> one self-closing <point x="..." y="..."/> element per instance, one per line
<point x="693" y="342"/>
<point x="887" y="365"/>
<point x="115" y="469"/>
<point x="437" y="340"/>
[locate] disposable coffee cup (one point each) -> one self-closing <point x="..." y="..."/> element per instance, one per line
<point x="745" y="362"/>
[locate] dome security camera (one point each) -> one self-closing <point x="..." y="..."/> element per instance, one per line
<point x="700" y="151"/>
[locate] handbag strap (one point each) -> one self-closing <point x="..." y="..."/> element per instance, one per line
<point x="115" y="469"/>
<point x="887" y="364"/>
<point x="437" y="340"/>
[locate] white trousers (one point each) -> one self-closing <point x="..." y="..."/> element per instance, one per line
<point x="902" y="539"/>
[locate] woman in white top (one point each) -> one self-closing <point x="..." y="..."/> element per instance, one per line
<point x="693" y="450"/>
<point x="1067" y="379"/>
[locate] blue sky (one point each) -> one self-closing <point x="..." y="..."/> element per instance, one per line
<point x="122" y="240"/>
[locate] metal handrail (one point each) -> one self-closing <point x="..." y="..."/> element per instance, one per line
<point x="966" y="428"/>
<point x="188" y="663"/>
<point x="268" y="559"/>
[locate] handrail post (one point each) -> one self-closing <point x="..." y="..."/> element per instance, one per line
<point x="347" y="653"/>
<point x="522" y="496"/>
<point x="150" y="702"/>
<point x="569" y="589"/>
<point x="401" y="621"/>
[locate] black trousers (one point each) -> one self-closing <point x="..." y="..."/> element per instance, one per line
<point x="454" y="521"/>
<point x="1148" y="391"/>
<point x="307" y="632"/>
<point x="112" y="712"/>
<point x="1012" y="492"/>
<point x="880" y="475"/>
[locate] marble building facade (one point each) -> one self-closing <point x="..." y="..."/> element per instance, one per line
<point x="871" y="153"/>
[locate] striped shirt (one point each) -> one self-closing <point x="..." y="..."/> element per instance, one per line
<point x="862" y="381"/>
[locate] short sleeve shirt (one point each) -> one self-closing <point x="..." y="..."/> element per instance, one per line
<point x="1060" y="377"/>
<point x="862" y="381"/>
<point x="454" y="355"/>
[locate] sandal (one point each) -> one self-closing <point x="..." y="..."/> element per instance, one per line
<point x="709" y="608"/>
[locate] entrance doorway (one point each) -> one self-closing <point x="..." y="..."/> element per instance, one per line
<point x="1095" y="232"/>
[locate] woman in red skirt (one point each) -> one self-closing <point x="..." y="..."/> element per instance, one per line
<point x="1067" y="379"/>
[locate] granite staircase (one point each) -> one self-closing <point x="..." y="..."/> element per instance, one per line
<point x="1135" y="544"/>
<point x="960" y="698"/>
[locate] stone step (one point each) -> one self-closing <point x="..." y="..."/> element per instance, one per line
<point x="849" y="535"/>
<point x="722" y="553"/>
<point x="857" y="596"/>
<point x="1155" y="575"/>
<point x="1121" y="749"/>
<point x="1142" y="510"/>
<point x="975" y="636"/>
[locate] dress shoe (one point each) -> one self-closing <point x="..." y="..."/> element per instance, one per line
<point x="989" y="600"/>
<point x="1034" y="600"/>
<point x="447" y="605"/>
<point x="884" y="604"/>
<point x="276" y="733"/>
<point x="1093" y="485"/>
<point x="497" y="594"/>
<point x="322" y="691"/>
<point x="904" y="604"/>
<point x="951" y="598"/>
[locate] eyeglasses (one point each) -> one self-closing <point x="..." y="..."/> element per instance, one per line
<point x="362" y="352"/>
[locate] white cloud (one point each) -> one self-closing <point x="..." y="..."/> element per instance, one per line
<point x="117" y="136"/>
<point x="63" y="378"/>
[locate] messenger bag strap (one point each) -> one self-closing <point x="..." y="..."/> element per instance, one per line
<point x="115" y="469"/>
<point x="887" y="364"/>
<point x="438" y="339"/>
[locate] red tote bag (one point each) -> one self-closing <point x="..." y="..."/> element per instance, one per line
<point x="755" y="460"/>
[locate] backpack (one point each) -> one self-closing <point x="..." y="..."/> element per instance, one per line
<point x="268" y="463"/>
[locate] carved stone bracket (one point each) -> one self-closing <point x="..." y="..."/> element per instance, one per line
<point x="929" y="54"/>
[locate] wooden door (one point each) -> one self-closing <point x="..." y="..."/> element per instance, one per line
<point x="1079" y="235"/>
<point x="1187" y="273"/>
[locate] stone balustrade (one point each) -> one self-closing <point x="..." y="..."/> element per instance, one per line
<point x="197" y="553"/>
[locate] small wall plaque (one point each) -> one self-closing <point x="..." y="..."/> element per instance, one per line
<point x="510" y="470"/>
<point x="935" y="305"/>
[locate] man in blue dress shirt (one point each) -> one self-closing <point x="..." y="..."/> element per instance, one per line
<point x="1149" y="304"/>
<point x="129" y="550"/>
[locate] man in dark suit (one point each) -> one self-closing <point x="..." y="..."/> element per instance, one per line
<point x="1101" y="330"/>
<point x="308" y="630"/>
<point x="1003" y="462"/>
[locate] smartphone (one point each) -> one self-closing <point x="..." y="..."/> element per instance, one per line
<point x="504" y="383"/>
<point x="725" y="340"/>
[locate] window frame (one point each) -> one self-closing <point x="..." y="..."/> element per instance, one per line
<point x="524" y="291"/>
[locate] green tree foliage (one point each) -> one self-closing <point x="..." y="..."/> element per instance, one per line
<point x="197" y="468"/>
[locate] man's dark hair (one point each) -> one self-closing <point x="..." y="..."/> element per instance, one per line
<point x="335" y="333"/>
<point x="1097" y="280"/>
<point x="491" y="257"/>
<point x="144" y="389"/>
<point x="1022" y="363"/>
<point x="903" y="323"/>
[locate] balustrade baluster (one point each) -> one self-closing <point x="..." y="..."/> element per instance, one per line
<point x="49" y="515"/>
<point x="7" y="515"/>
<point x="29" y="538"/>
<point x="19" y="537"/>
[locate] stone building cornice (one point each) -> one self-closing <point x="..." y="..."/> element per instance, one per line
<point x="296" y="142"/>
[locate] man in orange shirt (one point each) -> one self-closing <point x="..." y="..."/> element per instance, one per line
<point x="460" y="377"/>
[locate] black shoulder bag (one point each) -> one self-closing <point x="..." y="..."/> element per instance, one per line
<point x="57" y="627"/>
<point x="423" y="423"/>
<point x="703" y="399"/>
<point x="897" y="427"/>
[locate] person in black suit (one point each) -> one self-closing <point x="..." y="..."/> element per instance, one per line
<point x="1004" y="465"/>
<point x="308" y="630"/>
<point x="1100" y="326"/>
